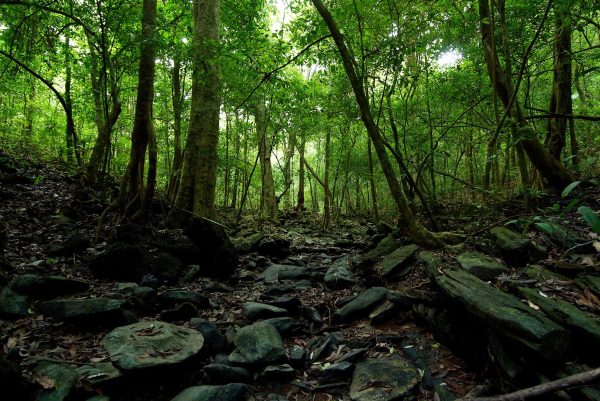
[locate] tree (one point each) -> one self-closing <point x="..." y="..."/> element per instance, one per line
<point x="199" y="172"/>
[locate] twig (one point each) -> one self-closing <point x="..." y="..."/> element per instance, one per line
<point x="556" y="385"/>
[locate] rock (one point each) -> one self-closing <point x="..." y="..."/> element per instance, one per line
<point x="45" y="287"/>
<point x="560" y="235"/>
<point x="126" y="289"/>
<point x="386" y="246"/>
<point x="213" y="340"/>
<point x="284" y="325"/>
<point x="259" y="343"/>
<point x="339" y="275"/>
<point x="178" y="296"/>
<point x="396" y="263"/>
<point x="290" y="304"/>
<point x="408" y="297"/>
<point x="515" y="248"/>
<point x="190" y="274"/>
<point x="383" y="380"/>
<point x="250" y="243"/>
<point x="336" y="372"/>
<point x="385" y="228"/>
<point x="287" y="288"/>
<point x="184" y="311"/>
<point x="256" y="310"/>
<point x="60" y="379"/>
<point x="13" y="304"/>
<point x="353" y="355"/>
<point x="228" y="392"/>
<point x="361" y="305"/>
<point x="277" y="272"/>
<point x="274" y="245"/>
<point x="297" y="357"/>
<point x="383" y="313"/>
<point x="99" y="311"/>
<point x="76" y="242"/>
<point x="313" y="315"/>
<point x="98" y="374"/>
<point x="219" y="258"/>
<point x="165" y="267"/>
<point x="325" y="345"/>
<point x="217" y="373"/>
<point x="277" y="373"/>
<point x="481" y="266"/>
<point x="119" y="261"/>
<point x="151" y="344"/>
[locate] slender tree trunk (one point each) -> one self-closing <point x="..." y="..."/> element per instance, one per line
<point x="268" y="201"/>
<point x="301" y="176"/>
<point x="374" y="207"/>
<point x="176" y="100"/>
<point x="327" y="201"/>
<point x="412" y="227"/>
<point x="199" y="172"/>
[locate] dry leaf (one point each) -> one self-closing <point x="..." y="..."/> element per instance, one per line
<point x="532" y="305"/>
<point x="597" y="246"/>
<point x="46" y="382"/>
<point x="588" y="261"/>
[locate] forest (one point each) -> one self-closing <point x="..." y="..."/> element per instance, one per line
<point x="366" y="200"/>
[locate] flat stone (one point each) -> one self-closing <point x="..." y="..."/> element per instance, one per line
<point x="515" y="248"/>
<point x="258" y="343"/>
<point x="256" y="310"/>
<point x="151" y="344"/>
<point x="228" y="392"/>
<point x="61" y="376"/>
<point x="383" y="312"/>
<point x="184" y="311"/>
<point x="99" y="373"/>
<point x="336" y="372"/>
<point x="43" y="287"/>
<point x="297" y="356"/>
<point x="277" y="373"/>
<point x="339" y="275"/>
<point x="277" y="272"/>
<point x="218" y="373"/>
<point x="98" y="309"/>
<point x="119" y="261"/>
<point x="361" y="305"/>
<point x="383" y="380"/>
<point x="284" y="325"/>
<point x="386" y="246"/>
<point x="482" y="266"/>
<point x="178" y="296"/>
<point x="392" y="264"/>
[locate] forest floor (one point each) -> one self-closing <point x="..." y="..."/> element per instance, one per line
<point x="48" y="225"/>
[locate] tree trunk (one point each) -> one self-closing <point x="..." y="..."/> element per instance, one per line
<point x="268" y="201"/>
<point x="412" y="227"/>
<point x="176" y="100"/>
<point x="374" y="207"/>
<point x="560" y="101"/>
<point x="550" y="168"/>
<point x="199" y="172"/>
<point x="328" y="199"/>
<point x="132" y="194"/>
<point x="301" y="176"/>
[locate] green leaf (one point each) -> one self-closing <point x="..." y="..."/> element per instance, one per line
<point x="546" y="227"/>
<point x="590" y="217"/>
<point x="569" y="188"/>
<point x="571" y="205"/>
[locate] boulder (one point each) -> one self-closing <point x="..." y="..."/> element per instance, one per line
<point x="277" y="373"/>
<point x="259" y="343"/>
<point x="98" y="374"/>
<point x="397" y="263"/>
<point x="228" y="392"/>
<point x="13" y="304"/>
<point x="383" y="380"/>
<point x="213" y="340"/>
<point x="257" y="311"/>
<point x="184" y="311"/>
<point x="219" y="258"/>
<point x="151" y="344"/>
<point x="482" y="266"/>
<point x="361" y="305"/>
<point x="386" y="246"/>
<point x="165" y="267"/>
<point x="337" y="372"/>
<point x="284" y="325"/>
<point x="339" y="275"/>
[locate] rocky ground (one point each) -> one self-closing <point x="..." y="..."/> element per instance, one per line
<point x="258" y="312"/>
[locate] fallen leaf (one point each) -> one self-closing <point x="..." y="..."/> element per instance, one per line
<point x="46" y="382"/>
<point x="597" y="246"/>
<point x="532" y="305"/>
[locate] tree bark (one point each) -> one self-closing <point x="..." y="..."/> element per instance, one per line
<point x="301" y="176"/>
<point x="199" y="172"/>
<point x="268" y="201"/>
<point x="176" y="100"/>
